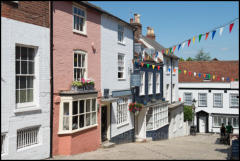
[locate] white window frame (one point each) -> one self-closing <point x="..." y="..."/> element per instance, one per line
<point x="215" y="98"/>
<point x="31" y="103"/>
<point x="120" y="32"/>
<point x="158" y="116"/>
<point x="122" y="65"/>
<point x="70" y="101"/>
<point x="184" y="99"/>
<point x="142" y="86"/>
<point x="84" y="32"/>
<point x="80" y="52"/>
<point x="22" y="141"/>
<point x="158" y="83"/>
<point x="150" y="83"/>
<point x="200" y="99"/>
<point x="230" y="100"/>
<point x="220" y="117"/>
<point x="122" y="111"/>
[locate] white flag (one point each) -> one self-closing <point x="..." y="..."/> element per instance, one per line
<point x="221" y="30"/>
<point x="194" y="74"/>
<point x="183" y="45"/>
<point x="222" y="78"/>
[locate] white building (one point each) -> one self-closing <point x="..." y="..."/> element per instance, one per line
<point x="116" y="64"/>
<point x="216" y="98"/>
<point x="25" y="86"/>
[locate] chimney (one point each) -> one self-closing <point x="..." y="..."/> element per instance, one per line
<point x="136" y="23"/>
<point x="150" y="33"/>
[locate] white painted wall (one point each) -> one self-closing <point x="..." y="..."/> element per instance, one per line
<point x="176" y="123"/>
<point x="109" y="66"/>
<point x="39" y="113"/>
<point x="210" y="109"/>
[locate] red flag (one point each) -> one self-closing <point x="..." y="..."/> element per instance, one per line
<point x="218" y="78"/>
<point x="174" y="48"/>
<point x="162" y="50"/>
<point x="189" y="73"/>
<point x="206" y="36"/>
<point x="158" y="67"/>
<point x="230" y="27"/>
<point x="189" y="42"/>
<point x="204" y="75"/>
<point x="142" y="64"/>
<point x="232" y="79"/>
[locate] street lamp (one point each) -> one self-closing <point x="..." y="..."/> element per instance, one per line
<point x="194" y="101"/>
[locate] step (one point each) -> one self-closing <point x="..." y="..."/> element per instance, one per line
<point x="108" y="144"/>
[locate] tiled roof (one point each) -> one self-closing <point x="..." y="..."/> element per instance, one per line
<point x="218" y="68"/>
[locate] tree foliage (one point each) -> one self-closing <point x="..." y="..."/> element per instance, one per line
<point x="189" y="59"/>
<point x="188" y="115"/>
<point x="181" y="59"/>
<point x="202" y="56"/>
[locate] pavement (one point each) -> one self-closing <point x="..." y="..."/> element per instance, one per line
<point x="199" y="147"/>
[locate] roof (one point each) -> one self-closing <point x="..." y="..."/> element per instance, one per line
<point x="218" y="68"/>
<point x="90" y="5"/>
<point x="157" y="46"/>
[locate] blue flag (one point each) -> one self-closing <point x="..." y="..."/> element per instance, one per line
<point x="169" y="69"/>
<point x="199" y="75"/>
<point x="179" y="46"/>
<point x="213" y="33"/>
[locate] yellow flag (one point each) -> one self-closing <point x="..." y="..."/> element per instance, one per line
<point x="194" y="39"/>
<point x="153" y="66"/>
<point x="185" y="71"/>
<point x="213" y="77"/>
<point x="167" y="51"/>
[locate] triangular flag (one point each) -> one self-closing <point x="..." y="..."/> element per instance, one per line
<point x="227" y="78"/>
<point x="169" y="69"/>
<point x="153" y="66"/>
<point x="162" y="51"/>
<point x="193" y="39"/>
<point x="218" y="78"/>
<point x="142" y="64"/>
<point x="213" y="77"/>
<point x="213" y="33"/>
<point x="174" y="48"/>
<point x="189" y="73"/>
<point x="179" y="71"/>
<point x="158" y="67"/>
<point x="167" y="51"/>
<point x="174" y="70"/>
<point x="189" y="41"/>
<point x="206" y="36"/>
<point x="200" y="36"/>
<point x="199" y="75"/>
<point x="194" y="74"/>
<point x="221" y="30"/>
<point x="230" y="27"/>
<point x="204" y="75"/>
<point x="183" y="44"/>
<point x="147" y="65"/>
<point x="185" y="71"/>
<point x="222" y="78"/>
<point x="232" y="79"/>
<point x="179" y="46"/>
<point x="209" y="76"/>
<point x="170" y="50"/>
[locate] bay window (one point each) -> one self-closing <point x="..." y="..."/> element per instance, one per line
<point x="122" y="111"/>
<point x="142" y="86"/>
<point x="157" y="82"/>
<point x="219" y="119"/>
<point x="150" y="83"/>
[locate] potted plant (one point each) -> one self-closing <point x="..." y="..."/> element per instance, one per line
<point x="89" y="84"/>
<point x="135" y="107"/>
<point x="74" y="85"/>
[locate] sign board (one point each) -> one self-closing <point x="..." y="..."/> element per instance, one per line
<point x="135" y="80"/>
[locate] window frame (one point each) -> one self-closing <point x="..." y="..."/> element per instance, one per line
<point x="142" y="86"/>
<point x="227" y="120"/>
<point x="230" y="100"/>
<point x="214" y="105"/>
<point x="123" y="66"/>
<point x="199" y="100"/>
<point x="122" y="33"/>
<point x="150" y="89"/>
<point x="3" y="144"/>
<point x="70" y="100"/>
<point x="123" y="107"/>
<point x="184" y="98"/>
<point x="80" y="52"/>
<point x="84" y="32"/>
<point x="25" y="104"/>
<point x="158" y="90"/>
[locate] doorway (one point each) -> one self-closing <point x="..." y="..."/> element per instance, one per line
<point x="202" y="124"/>
<point x="104" y="123"/>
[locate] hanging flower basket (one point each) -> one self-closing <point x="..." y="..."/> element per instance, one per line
<point x="135" y="107"/>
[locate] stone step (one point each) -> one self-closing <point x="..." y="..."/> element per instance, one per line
<point x="108" y="144"/>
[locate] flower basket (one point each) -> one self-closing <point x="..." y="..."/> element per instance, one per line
<point x="83" y="85"/>
<point x="135" y="107"/>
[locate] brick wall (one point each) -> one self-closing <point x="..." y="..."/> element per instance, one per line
<point x="33" y="12"/>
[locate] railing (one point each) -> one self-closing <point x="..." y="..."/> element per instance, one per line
<point x="27" y="137"/>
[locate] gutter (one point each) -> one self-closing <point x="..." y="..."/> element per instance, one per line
<point x="51" y="77"/>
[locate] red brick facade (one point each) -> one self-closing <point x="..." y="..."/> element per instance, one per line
<point x="33" y="12"/>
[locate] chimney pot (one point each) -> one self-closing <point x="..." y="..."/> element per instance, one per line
<point x="131" y="20"/>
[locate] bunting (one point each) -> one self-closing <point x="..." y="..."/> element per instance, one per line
<point x="230" y="27"/>
<point x="193" y="39"/>
<point x="213" y="33"/>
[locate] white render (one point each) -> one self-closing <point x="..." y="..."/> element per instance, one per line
<point x="110" y="47"/>
<point x="32" y="114"/>
<point x="231" y="87"/>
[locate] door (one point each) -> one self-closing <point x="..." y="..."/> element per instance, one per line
<point x="104" y="123"/>
<point x="202" y="124"/>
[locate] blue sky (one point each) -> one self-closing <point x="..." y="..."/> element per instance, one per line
<point x="174" y="22"/>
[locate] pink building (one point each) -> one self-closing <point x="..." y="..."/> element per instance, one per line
<point x="76" y="55"/>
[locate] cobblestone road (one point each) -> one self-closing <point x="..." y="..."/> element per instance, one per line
<point x="187" y="147"/>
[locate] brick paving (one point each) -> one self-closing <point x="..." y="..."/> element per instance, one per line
<point x="188" y="147"/>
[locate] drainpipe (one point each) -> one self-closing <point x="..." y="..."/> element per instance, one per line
<point x="171" y="79"/>
<point x="51" y="77"/>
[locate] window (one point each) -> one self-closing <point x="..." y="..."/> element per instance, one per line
<point x="142" y="87"/>
<point x="3" y="143"/>
<point x="122" y="111"/>
<point x="80" y="66"/>
<point x="78" y="114"/>
<point x="218" y="120"/>
<point x="234" y="100"/>
<point x="27" y="137"/>
<point x="24" y="74"/>
<point x="120" y="33"/>
<point x="217" y="100"/>
<point x="202" y="99"/>
<point x="157" y="82"/>
<point x="150" y="83"/>
<point x="157" y="117"/>
<point x="120" y="66"/>
<point x="167" y="91"/>
<point x="188" y="99"/>
<point x="79" y="19"/>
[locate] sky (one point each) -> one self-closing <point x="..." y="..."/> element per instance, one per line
<point x="176" y="21"/>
